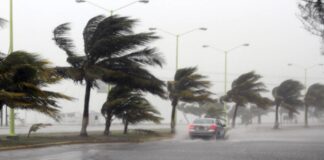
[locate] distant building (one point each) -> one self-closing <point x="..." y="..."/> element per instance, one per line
<point x="95" y="118"/>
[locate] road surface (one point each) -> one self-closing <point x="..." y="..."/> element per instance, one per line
<point x="294" y="143"/>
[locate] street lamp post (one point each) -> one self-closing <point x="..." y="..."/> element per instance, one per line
<point x="178" y="36"/>
<point x="306" y="69"/>
<point x="11" y="48"/>
<point x="225" y="68"/>
<point x="111" y="11"/>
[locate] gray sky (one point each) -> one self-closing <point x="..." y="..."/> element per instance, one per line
<point x="270" y="26"/>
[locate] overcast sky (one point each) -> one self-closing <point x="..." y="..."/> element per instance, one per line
<point x="271" y="27"/>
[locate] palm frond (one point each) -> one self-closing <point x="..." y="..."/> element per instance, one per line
<point x="89" y="31"/>
<point x="62" y="39"/>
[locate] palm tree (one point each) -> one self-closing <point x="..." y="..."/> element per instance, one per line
<point x="313" y="98"/>
<point x="187" y="86"/>
<point x="117" y="97"/>
<point x="113" y="54"/>
<point x="287" y="95"/>
<point x="245" y="89"/>
<point x="23" y="75"/>
<point x="130" y="106"/>
<point x="137" y="109"/>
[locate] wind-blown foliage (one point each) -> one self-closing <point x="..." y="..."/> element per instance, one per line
<point x="22" y="77"/>
<point x="128" y="105"/>
<point x="314" y="98"/>
<point x="312" y="16"/>
<point x="187" y="86"/>
<point x="112" y="54"/>
<point x="287" y="95"/>
<point x="137" y="109"/>
<point x="245" y="89"/>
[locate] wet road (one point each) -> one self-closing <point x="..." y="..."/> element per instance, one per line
<point x="243" y="144"/>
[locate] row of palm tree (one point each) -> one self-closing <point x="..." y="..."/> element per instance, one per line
<point x="247" y="89"/>
<point x="112" y="54"/>
<point x="116" y="55"/>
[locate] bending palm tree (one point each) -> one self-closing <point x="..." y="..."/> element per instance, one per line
<point x="245" y="89"/>
<point x="314" y="98"/>
<point x="23" y="75"/>
<point x="113" y="54"/>
<point x="117" y="96"/>
<point x="137" y="109"/>
<point x="187" y="86"/>
<point x="128" y="105"/>
<point x="287" y="95"/>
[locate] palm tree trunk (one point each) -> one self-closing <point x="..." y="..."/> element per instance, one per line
<point x="108" y="124"/>
<point x="125" y="126"/>
<point x="306" y="115"/>
<point x="276" y="125"/>
<point x="173" y="116"/>
<point x="234" y="116"/>
<point x="85" y="120"/>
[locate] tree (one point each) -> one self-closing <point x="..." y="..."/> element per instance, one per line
<point x="23" y="75"/>
<point x="314" y="98"/>
<point x="187" y="86"/>
<point x="287" y="95"/>
<point x="113" y="54"/>
<point x="312" y="16"/>
<point x="137" y="109"/>
<point x="245" y="89"/>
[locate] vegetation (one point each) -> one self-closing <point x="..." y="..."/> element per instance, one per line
<point x="128" y="105"/>
<point x="246" y="89"/>
<point x="314" y="98"/>
<point x="287" y="95"/>
<point x="113" y="54"/>
<point x="23" y="77"/>
<point x="312" y="16"/>
<point x="36" y="127"/>
<point x="57" y="139"/>
<point x="187" y="86"/>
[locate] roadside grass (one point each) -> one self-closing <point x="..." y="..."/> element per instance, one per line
<point x="52" y="139"/>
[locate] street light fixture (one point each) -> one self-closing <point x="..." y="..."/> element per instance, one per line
<point x="111" y="11"/>
<point x="177" y="36"/>
<point x="225" y="73"/>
